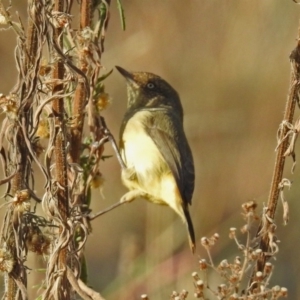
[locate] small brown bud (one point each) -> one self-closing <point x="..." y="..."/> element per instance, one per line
<point x="245" y="229"/>
<point x="268" y="268"/>
<point x="102" y="101"/>
<point x="249" y="206"/>
<point x="202" y="264"/>
<point x="259" y="276"/>
<point x="283" y="292"/>
<point x="205" y="242"/>
<point x="223" y="264"/>
<point x="200" y="285"/>
<point x="256" y="254"/>
<point x="144" y="297"/>
<point x="215" y="237"/>
<point x="233" y="279"/>
<point x="232" y="233"/>
<point x="276" y="290"/>
<point x="7" y="261"/>
<point x="222" y="289"/>
<point x="43" y="130"/>
<point x="237" y="261"/>
<point x="184" y="294"/>
<point x="195" y="276"/>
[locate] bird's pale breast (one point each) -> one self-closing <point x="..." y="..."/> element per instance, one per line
<point x="153" y="175"/>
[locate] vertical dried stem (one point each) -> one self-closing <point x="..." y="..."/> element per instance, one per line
<point x="20" y="180"/>
<point x="293" y="98"/>
<point x="60" y="156"/>
<point x="80" y="92"/>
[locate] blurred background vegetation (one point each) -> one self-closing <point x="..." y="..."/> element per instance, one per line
<point x="229" y="61"/>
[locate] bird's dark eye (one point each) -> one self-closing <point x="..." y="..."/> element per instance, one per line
<point x="150" y="85"/>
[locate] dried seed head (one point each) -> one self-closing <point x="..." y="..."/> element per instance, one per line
<point x="9" y="105"/>
<point x="249" y="206"/>
<point x="38" y="243"/>
<point x="205" y="242"/>
<point x="222" y="289"/>
<point x="195" y="276"/>
<point x="22" y="195"/>
<point x="45" y="67"/>
<point x="21" y="200"/>
<point x="283" y="292"/>
<point x="232" y="233"/>
<point x="256" y="254"/>
<point x="215" y="237"/>
<point x="102" y="102"/>
<point x="43" y="130"/>
<point x="276" y="290"/>
<point x="237" y="261"/>
<point x="60" y="19"/>
<point x="268" y="268"/>
<point x="175" y="295"/>
<point x="202" y="264"/>
<point x="245" y="229"/>
<point x="259" y="276"/>
<point x="184" y="294"/>
<point x="234" y="296"/>
<point x="198" y="294"/>
<point x="7" y="261"/>
<point x="200" y="285"/>
<point x="234" y="278"/>
<point x="223" y="264"/>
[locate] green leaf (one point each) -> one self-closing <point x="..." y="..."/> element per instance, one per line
<point x="122" y="14"/>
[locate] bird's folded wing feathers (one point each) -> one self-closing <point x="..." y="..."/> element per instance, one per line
<point x="175" y="150"/>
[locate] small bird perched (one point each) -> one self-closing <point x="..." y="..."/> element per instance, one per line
<point x="154" y="148"/>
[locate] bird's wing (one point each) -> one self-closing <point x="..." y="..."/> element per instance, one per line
<point x="174" y="149"/>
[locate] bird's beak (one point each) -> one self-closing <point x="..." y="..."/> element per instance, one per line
<point x="128" y="76"/>
<point x="132" y="85"/>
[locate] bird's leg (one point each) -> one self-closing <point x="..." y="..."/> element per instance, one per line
<point x="127" y="198"/>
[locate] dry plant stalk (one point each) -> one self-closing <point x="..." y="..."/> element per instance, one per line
<point x="287" y="135"/>
<point x="59" y="87"/>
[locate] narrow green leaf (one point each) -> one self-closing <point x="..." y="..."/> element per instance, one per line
<point x="122" y="14"/>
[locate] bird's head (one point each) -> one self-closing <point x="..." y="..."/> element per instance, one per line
<point x="147" y="90"/>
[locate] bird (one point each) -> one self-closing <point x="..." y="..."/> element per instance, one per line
<point x="154" y="148"/>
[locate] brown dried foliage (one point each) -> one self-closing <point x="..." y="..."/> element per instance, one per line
<point x="58" y="65"/>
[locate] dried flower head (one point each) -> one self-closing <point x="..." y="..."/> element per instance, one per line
<point x="249" y="206"/>
<point x="43" y="130"/>
<point x="21" y="200"/>
<point x="268" y="268"/>
<point x="232" y="233"/>
<point x="6" y="261"/>
<point x="195" y="276"/>
<point x="38" y="242"/>
<point x="202" y="264"/>
<point x="102" y="101"/>
<point x="9" y="105"/>
<point x="223" y="265"/>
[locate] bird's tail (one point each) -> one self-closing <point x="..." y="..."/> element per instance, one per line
<point x="190" y="229"/>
